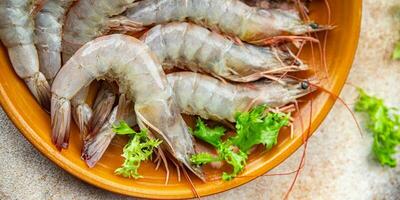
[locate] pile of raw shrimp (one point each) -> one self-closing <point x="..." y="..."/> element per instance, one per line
<point x="232" y="56"/>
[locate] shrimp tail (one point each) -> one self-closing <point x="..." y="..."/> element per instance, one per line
<point x="95" y="147"/>
<point x="121" y="23"/>
<point x="82" y="114"/>
<point x="25" y="62"/>
<point x="60" y="121"/>
<point x="40" y="88"/>
<point x="103" y="105"/>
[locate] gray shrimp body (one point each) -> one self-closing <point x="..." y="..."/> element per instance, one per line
<point x="210" y="98"/>
<point x="233" y="17"/>
<point x="16" y="33"/>
<point x="48" y="32"/>
<point x="132" y="65"/>
<point x="194" y="47"/>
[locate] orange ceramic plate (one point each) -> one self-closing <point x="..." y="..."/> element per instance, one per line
<point x="34" y="123"/>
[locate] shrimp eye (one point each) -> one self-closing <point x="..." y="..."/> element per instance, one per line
<point x="304" y="85"/>
<point x="314" y="25"/>
<point x="297" y="63"/>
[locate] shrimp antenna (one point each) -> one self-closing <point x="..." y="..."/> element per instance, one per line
<point x="303" y="157"/>
<point x="285" y="38"/>
<point x="328" y="8"/>
<point x="161" y="158"/>
<point x="344" y="103"/>
<point x="192" y="186"/>
<point x="336" y="97"/>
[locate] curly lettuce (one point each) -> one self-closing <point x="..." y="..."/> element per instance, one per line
<point x="139" y="148"/>
<point x="252" y="128"/>
<point x="384" y="124"/>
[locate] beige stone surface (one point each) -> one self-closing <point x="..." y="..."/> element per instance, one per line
<point x="338" y="162"/>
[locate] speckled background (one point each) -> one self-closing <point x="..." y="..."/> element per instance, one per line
<point x="338" y="162"/>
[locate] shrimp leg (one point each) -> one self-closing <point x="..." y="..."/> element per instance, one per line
<point x="16" y="33"/>
<point x="132" y="65"/>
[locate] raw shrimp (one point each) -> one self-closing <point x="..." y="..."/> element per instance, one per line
<point x="197" y="48"/>
<point x="210" y="98"/>
<point x="16" y="33"/>
<point x="48" y="31"/>
<point x="198" y="94"/>
<point x="131" y="64"/>
<point x="232" y="17"/>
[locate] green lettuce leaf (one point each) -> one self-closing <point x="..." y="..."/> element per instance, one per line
<point x="384" y="124"/>
<point x="209" y="135"/>
<point x="396" y="52"/>
<point x="123" y="129"/>
<point x="139" y="148"/>
<point x="236" y="159"/>
<point x="258" y="127"/>
<point x="203" y="158"/>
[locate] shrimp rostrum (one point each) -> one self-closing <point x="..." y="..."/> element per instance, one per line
<point x="232" y="17"/>
<point x="140" y="77"/>
<point x="210" y="98"/>
<point x="16" y="33"/>
<point x="196" y="48"/>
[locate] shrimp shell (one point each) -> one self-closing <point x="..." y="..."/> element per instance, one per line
<point x="49" y="22"/>
<point x="197" y="48"/>
<point x="16" y="33"/>
<point x="131" y="64"/>
<point x="210" y="98"/>
<point x="232" y="17"/>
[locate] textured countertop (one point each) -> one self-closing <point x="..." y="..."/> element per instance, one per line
<point x="338" y="162"/>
